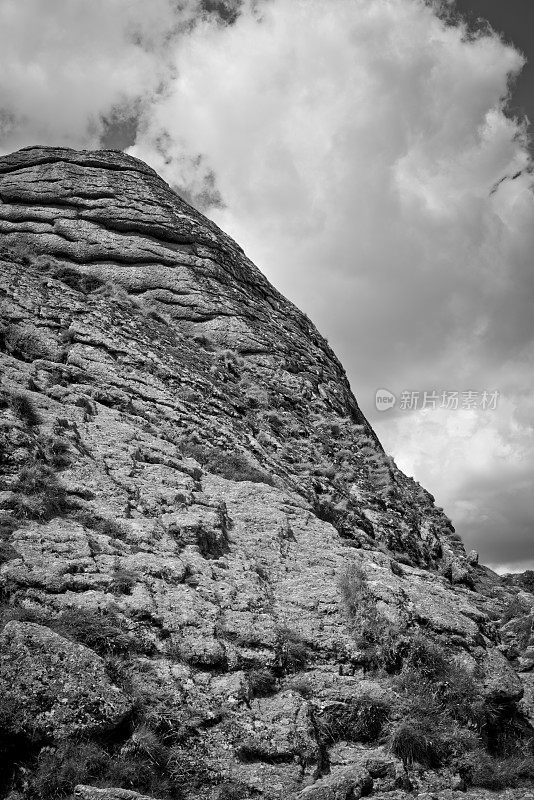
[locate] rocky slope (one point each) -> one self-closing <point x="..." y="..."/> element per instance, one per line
<point x="213" y="581"/>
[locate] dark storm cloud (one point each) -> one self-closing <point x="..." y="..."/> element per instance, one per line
<point x="502" y="517"/>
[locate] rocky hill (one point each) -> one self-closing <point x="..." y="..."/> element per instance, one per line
<point x="214" y="583"/>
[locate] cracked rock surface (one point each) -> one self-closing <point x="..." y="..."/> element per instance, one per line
<point x="214" y="583"/>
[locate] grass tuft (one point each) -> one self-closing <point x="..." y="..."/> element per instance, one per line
<point x="23" y="408"/>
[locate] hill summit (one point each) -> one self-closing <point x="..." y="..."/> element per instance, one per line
<point x="214" y="583"/>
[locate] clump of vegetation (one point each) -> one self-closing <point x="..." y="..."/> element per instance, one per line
<point x="8" y="524"/>
<point x="104" y="525"/>
<point x="303" y="685"/>
<point x="262" y="682"/>
<point x="232" y="790"/>
<point x="60" y="769"/>
<point x="254" y="396"/>
<point x="54" y="450"/>
<point x="377" y="463"/>
<point x="446" y="718"/>
<point x="231" y="361"/>
<point x="231" y="465"/>
<point x="77" y="280"/>
<point x="361" y="719"/>
<point x="478" y="768"/>
<point x="444" y="714"/>
<point x="102" y="632"/>
<point x="430" y="672"/>
<point x="382" y="644"/>
<point x="23" y="408"/>
<point x="38" y="493"/>
<point x="419" y="740"/>
<point x="204" y="341"/>
<point x="292" y="652"/>
<point x="143" y="764"/>
<point x="123" y="581"/>
<point x="525" y="580"/>
<point x="188" y="770"/>
<point x="7" y="552"/>
<point x="275" y="421"/>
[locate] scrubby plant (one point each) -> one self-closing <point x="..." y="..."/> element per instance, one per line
<point x="303" y="685"/>
<point x="123" y="581"/>
<point x="54" y="451"/>
<point x="188" y="770"/>
<point x="383" y="645"/>
<point x="431" y="676"/>
<point x="416" y="740"/>
<point x="231" y="790"/>
<point x="23" y="408"/>
<point x="479" y="769"/>
<point x="446" y="718"/>
<point x="77" y="280"/>
<point x="8" y="524"/>
<point x="103" y="632"/>
<point x="231" y="465"/>
<point x="261" y="682"/>
<point x="143" y="764"/>
<point x="59" y="769"/>
<point x="38" y="493"/>
<point x="513" y="608"/>
<point x="360" y="719"/>
<point x="231" y="361"/>
<point x="104" y="525"/>
<point x="275" y="421"/>
<point x="204" y="341"/>
<point x="292" y="651"/>
<point x="7" y="552"/>
<point x="525" y="580"/>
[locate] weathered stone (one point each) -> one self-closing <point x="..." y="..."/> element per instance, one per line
<point x="501" y="683"/>
<point x="56" y="688"/>
<point x="94" y="793"/>
<point x="472" y="558"/>
<point x="348" y="783"/>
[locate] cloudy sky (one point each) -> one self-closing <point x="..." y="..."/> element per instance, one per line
<point x="372" y="157"/>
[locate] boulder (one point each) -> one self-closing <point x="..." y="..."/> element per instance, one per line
<point x="95" y="793"/>
<point x="347" y="783"/>
<point x="501" y="682"/>
<point x="55" y="688"/>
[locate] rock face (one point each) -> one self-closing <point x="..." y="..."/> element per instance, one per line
<point x="209" y="569"/>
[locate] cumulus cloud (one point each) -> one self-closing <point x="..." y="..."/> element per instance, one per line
<point x="66" y="64"/>
<point x="360" y="151"/>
